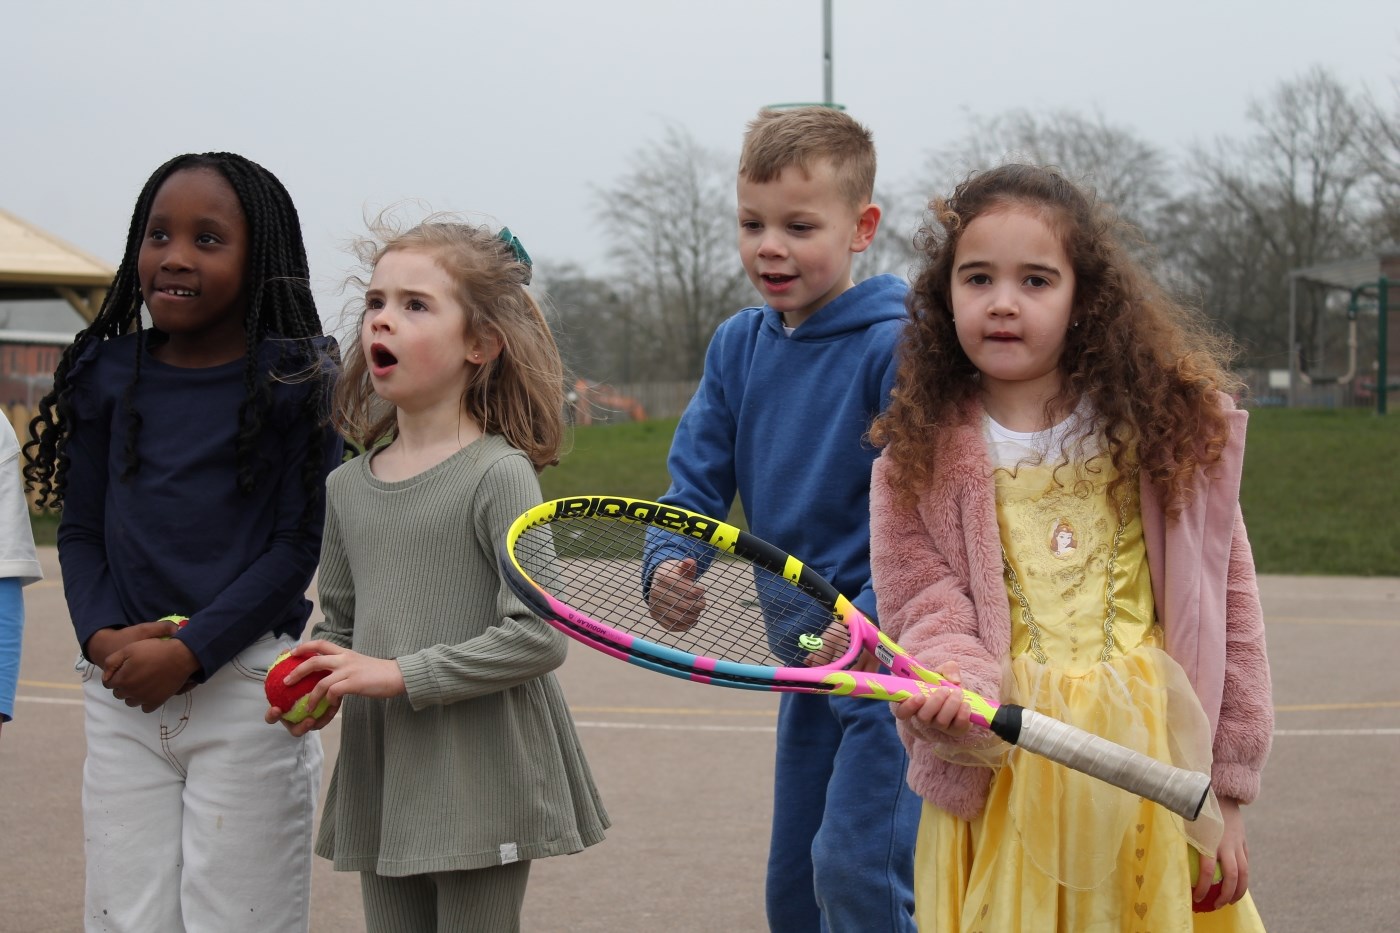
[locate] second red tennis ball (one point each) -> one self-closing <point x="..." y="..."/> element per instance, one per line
<point x="1207" y="903"/>
<point x="292" y="700"/>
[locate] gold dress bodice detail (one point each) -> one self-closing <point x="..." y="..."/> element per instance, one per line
<point x="1053" y="850"/>
<point x="1075" y="565"/>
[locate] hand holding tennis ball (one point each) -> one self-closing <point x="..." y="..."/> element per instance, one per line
<point x="292" y="700"/>
<point x="178" y="621"/>
<point x="1207" y="903"/>
<point x="347" y="673"/>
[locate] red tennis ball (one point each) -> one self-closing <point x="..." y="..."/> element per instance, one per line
<point x="292" y="700"/>
<point x="1207" y="903"/>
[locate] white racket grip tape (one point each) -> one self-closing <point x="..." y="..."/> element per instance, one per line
<point x="1180" y="791"/>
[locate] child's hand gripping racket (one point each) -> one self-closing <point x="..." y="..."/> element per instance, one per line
<point x="763" y="621"/>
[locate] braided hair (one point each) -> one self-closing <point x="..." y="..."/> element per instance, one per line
<point x="279" y="303"/>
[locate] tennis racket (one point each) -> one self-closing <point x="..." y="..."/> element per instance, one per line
<point x="766" y="622"/>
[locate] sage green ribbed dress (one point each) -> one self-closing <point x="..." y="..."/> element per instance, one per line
<point x="479" y="765"/>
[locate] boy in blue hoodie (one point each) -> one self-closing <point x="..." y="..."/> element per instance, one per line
<point x="779" y="419"/>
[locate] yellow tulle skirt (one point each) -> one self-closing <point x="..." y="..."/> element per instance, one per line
<point x="1054" y="850"/>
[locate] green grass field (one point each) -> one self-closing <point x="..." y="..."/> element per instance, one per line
<point x="1321" y="488"/>
<point x="1321" y="492"/>
<point x="626" y="459"/>
<point x="45" y="527"/>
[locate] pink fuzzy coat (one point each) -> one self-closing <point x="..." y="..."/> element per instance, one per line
<point x="938" y="580"/>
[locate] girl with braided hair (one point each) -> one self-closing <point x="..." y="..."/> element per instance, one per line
<point x="189" y="459"/>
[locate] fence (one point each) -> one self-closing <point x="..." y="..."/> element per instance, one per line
<point x="600" y="403"/>
<point x="1268" y="388"/>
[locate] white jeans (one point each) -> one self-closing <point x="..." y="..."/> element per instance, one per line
<point x="198" y="816"/>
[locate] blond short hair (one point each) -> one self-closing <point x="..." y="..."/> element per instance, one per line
<point x="778" y="139"/>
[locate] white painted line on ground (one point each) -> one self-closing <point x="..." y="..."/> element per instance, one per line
<point x="695" y="727"/>
<point x="668" y="727"/>
<point x="1296" y="620"/>
<point x="1332" y="707"/>
<point x="1293" y="732"/>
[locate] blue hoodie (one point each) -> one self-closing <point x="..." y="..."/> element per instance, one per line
<point x="781" y="421"/>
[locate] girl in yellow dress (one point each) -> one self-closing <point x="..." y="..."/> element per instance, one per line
<point x="1055" y="522"/>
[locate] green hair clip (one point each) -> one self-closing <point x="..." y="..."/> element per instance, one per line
<point x="522" y="257"/>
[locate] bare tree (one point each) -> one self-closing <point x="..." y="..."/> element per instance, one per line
<point x="672" y="222"/>
<point x="1214" y="261"/>
<point x="1124" y="170"/>
<point x="1289" y="195"/>
<point x="1380" y="148"/>
<point x="592" y="322"/>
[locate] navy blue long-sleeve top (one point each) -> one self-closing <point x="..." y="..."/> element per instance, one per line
<point x="179" y="537"/>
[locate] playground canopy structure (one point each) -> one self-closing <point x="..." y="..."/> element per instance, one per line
<point x="1364" y="278"/>
<point x="35" y="265"/>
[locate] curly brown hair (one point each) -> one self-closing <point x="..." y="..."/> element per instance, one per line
<point x="520" y="393"/>
<point x="1150" y="368"/>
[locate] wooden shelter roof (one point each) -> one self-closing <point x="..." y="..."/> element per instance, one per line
<point x="35" y="264"/>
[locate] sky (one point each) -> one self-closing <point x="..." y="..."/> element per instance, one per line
<point x="524" y="112"/>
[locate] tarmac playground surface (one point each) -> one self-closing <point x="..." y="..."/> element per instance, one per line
<point x="686" y="774"/>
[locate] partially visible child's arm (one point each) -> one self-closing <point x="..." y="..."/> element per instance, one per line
<point x="1244" y="732"/>
<point x="259" y="598"/>
<point x="701" y="466"/>
<point x="1245" y="729"/>
<point x="335" y="590"/>
<point x="11" y="634"/>
<point x="927" y="609"/>
<point x="701" y="459"/>
<point x="1233" y="856"/>
<point x="518" y="646"/>
<point x="19" y="565"/>
<point x="94" y="607"/>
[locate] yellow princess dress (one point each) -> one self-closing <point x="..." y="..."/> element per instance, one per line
<point x="1055" y="850"/>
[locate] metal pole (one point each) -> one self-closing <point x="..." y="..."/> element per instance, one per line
<point x="827" y="97"/>
<point x="1382" y="338"/>
<point x="1292" y="340"/>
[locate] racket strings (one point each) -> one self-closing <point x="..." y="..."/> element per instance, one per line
<point x="733" y="610"/>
